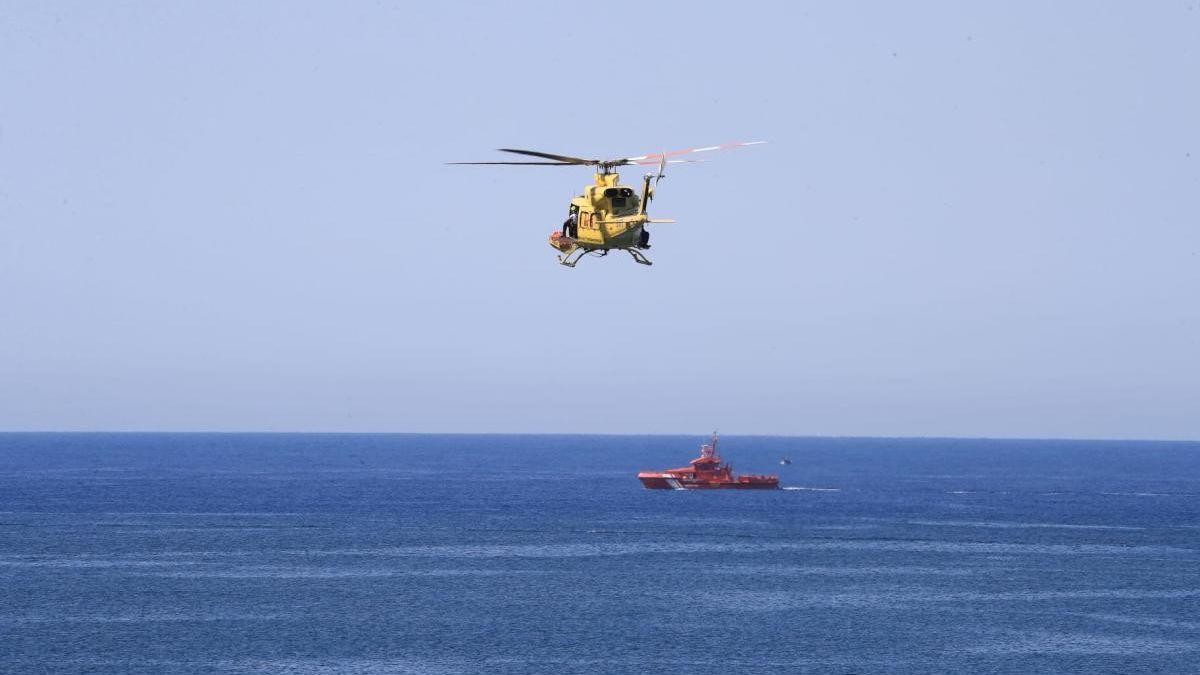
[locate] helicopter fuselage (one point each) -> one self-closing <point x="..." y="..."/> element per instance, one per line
<point x="605" y="217"/>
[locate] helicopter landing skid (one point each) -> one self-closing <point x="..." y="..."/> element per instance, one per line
<point x="639" y="257"/>
<point x="571" y="258"/>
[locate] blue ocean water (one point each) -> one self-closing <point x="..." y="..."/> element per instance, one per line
<point x="312" y="553"/>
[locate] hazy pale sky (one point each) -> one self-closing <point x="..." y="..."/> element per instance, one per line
<point x="975" y="219"/>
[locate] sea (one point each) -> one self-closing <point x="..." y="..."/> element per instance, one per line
<point x="402" y="553"/>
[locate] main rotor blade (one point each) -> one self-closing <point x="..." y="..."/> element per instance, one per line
<point x="673" y="153"/>
<point x="561" y="158"/>
<point x="669" y="161"/>
<point x="522" y="163"/>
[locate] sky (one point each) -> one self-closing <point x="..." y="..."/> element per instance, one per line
<point x="970" y="219"/>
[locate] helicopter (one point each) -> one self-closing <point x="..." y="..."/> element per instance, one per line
<point x="609" y="216"/>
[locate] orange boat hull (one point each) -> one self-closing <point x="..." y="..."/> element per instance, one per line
<point x="653" y="480"/>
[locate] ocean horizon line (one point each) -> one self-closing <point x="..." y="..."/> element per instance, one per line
<point x="912" y="437"/>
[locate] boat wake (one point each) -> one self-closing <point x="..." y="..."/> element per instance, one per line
<point x="813" y="489"/>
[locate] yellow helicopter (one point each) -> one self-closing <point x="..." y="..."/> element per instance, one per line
<point x="609" y="216"/>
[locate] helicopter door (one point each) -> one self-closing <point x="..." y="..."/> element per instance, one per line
<point x="573" y="222"/>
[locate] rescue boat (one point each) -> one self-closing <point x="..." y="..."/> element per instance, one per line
<point x="707" y="472"/>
